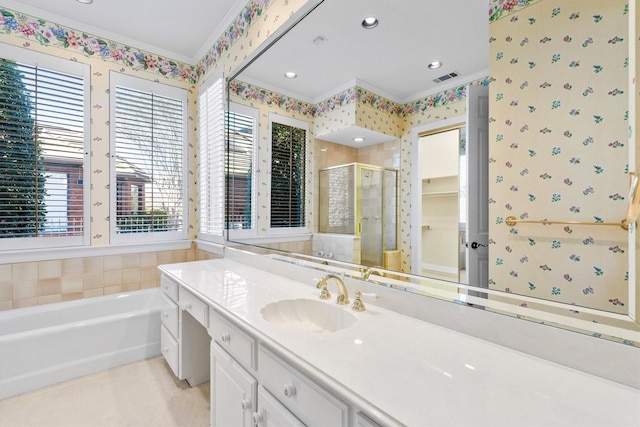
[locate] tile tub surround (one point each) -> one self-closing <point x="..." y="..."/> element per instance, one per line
<point x="446" y="369"/>
<point x="25" y="284"/>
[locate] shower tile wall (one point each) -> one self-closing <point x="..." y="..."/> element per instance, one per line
<point x="27" y="284"/>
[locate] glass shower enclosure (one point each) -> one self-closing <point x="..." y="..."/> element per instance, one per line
<point x="361" y="200"/>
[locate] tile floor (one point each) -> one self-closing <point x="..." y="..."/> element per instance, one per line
<point x="141" y="394"/>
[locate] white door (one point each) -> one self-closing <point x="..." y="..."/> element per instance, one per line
<point x="478" y="185"/>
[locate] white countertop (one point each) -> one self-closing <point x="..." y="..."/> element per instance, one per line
<point x="418" y="373"/>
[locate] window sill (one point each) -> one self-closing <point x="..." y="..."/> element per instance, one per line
<point x="31" y="255"/>
<point x="211" y="247"/>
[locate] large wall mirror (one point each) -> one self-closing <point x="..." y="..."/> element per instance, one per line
<point x="372" y="147"/>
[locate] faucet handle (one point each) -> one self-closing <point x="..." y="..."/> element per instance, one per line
<point x="324" y="294"/>
<point x="358" y="305"/>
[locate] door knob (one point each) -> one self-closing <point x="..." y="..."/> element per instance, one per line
<point x="476" y="245"/>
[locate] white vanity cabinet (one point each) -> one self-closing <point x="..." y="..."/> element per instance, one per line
<point x="251" y="383"/>
<point x="184" y="339"/>
<point x="170" y="330"/>
<point x="304" y="398"/>
<point x="286" y="396"/>
<point x="272" y="413"/>
<point x="234" y="391"/>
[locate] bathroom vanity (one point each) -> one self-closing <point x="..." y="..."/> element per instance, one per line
<point x="277" y="355"/>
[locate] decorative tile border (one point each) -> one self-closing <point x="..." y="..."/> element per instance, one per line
<point x="243" y="21"/>
<point x="254" y="93"/>
<point x="51" y="34"/>
<point x="376" y="101"/>
<point x="503" y="8"/>
<point x="352" y="95"/>
<point x="346" y="97"/>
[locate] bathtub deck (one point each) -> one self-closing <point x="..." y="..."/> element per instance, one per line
<point x="139" y="394"/>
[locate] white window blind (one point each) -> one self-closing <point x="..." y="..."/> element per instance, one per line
<point x="147" y="160"/>
<point x="211" y="186"/>
<point x="242" y="129"/>
<point x="43" y="157"/>
<point x="288" y="175"/>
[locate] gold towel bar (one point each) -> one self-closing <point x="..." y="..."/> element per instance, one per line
<point x="512" y="220"/>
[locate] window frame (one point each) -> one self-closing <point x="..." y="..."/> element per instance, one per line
<point x="162" y="89"/>
<point x="300" y="124"/>
<point x="53" y="63"/>
<point x="254" y="113"/>
<point x="217" y="218"/>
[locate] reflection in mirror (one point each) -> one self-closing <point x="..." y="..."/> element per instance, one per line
<point x="358" y="208"/>
<point x="367" y="97"/>
<point x="444" y="211"/>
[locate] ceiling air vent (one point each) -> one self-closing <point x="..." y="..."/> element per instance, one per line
<point x="446" y="77"/>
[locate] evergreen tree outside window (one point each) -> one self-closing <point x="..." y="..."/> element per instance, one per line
<point x="288" y="175"/>
<point x="43" y="160"/>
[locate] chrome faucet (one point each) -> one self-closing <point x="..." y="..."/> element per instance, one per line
<point x="343" y="296"/>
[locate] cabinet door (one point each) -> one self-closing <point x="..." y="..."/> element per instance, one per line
<point x="272" y="413"/>
<point x="233" y="391"/>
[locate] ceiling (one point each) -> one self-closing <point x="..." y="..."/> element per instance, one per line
<point x="181" y="30"/>
<point x="329" y="50"/>
<point x="390" y="60"/>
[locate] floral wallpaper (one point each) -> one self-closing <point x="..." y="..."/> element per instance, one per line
<point x="254" y="24"/>
<point x="269" y="98"/>
<point x="51" y="34"/>
<point x="563" y="134"/>
<point x="559" y="150"/>
<point x="500" y="8"/>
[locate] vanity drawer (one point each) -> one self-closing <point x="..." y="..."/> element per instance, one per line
<point x="169" y="347"/>
<point x="237" y="343"/>
<point x="306" y="400"/>
<point x="169" y="315"/>
<point x="195" y="306"/>
<point x="169" y="287"/>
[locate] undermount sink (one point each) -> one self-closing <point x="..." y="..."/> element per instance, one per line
<point x="308" y="315"/>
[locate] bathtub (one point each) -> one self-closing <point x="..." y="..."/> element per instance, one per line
<point x="49" y="344"/>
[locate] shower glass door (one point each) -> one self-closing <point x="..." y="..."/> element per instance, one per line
<point x="371" y="242"/>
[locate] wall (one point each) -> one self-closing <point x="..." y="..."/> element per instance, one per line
<point x="559" y="151"/>
<point x="24" y="284"/>
<point x="69" y="276"/>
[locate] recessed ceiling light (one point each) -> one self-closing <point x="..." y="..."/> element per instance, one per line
<point x="85" y="1"/>
<point x="290" y="75"/>
<point x="369" y="23"/>
<point x="358" y="139"/>
<point x="434" y="65"/>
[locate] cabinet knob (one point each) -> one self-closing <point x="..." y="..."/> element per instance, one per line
<point x="289" y="390"/>
<point x="226" y="337"/>
<point x="257" y="418"/>
<point x="187" y="306"/>
<point x="246" y="404"/>
<point x="165" y="349"/>
<point x="165" y="314"/>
